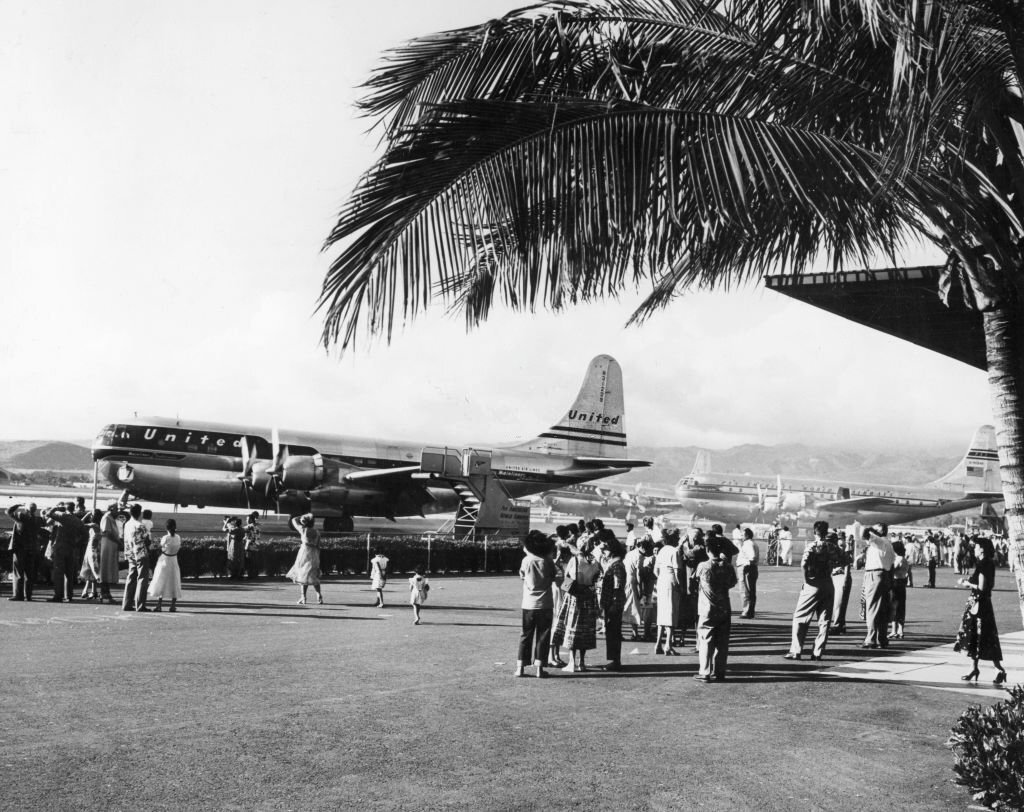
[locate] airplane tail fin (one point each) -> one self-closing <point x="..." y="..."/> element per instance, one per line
<point x="978" y="471"/>
<point x="701" y="465"/>
<point x="595" y="424"/>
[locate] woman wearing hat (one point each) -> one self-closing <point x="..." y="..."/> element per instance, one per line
<point x="306" y="569"/>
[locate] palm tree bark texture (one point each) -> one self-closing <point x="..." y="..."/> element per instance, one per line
<point x="1004" y="346"/>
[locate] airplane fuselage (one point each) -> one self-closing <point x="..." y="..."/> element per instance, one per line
<point x="732" y="498"/>
<point x="202" y="463"/>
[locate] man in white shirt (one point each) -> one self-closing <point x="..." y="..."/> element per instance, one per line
<point x="878" y="562"/>
<point x="786" y="546"/>
<point x="747" y="560"/>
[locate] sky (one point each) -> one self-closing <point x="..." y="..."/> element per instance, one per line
<point x="170" y="173"/>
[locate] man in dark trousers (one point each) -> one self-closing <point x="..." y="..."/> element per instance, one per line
<point x="25" y="548"/>
<point x="67" y="532"/>
<point x="136" y="550"/>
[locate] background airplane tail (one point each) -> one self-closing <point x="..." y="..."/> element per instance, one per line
<point x="978" y="471"/>
<point x="595" y="424"/>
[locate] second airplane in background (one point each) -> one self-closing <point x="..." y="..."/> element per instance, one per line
<point x="973" y="483"/>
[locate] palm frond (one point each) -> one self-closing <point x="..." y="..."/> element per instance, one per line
<point x="565" y="203"/>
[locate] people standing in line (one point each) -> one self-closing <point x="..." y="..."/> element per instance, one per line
<point x="978" y="636"/>
<point x="166" y="581"/>
<point x="418" y="589"/>
<point x="379" y="575"/>
<point x="670" y="587"/>
<point x="900" y="582"/>
<point x="878" y="562"/>
<point x="715" y="577"/>
<point x="576" y="626"/>
<point x="842" y="583"/>
<point x="817" y="595"/>
<point x="24" y="547"/>
<point x="64" y="544"/>
<point x="537" y="572"/>
<point x="136" y="551"/>
<point x="613" y="598"/>
<point x="747" y="560"/>
<point x="306" y="570"/>
<point x="110" y="545"/>
<point x="90" y="572"/>
<point x="786" y="546"/>
<point x="931" y="556"/>
<point x="234" y="543"/>
<point x="252" y="540"/>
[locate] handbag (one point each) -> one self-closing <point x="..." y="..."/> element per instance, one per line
<point x="48" y="554"/>
<point x="570" y="587"/>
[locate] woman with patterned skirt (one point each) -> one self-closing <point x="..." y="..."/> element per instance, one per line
<point x="576" y="627"/>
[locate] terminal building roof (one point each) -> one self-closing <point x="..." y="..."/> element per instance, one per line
<point x="903" y="302"/>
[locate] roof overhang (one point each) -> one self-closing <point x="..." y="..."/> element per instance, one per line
<point x="903" y="302"/>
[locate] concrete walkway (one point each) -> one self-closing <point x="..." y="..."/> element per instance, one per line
<point x="940" y="668"/>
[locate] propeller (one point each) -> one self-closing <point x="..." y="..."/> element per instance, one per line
<point x="279" y="455"/>
<point x="246" y="476"/>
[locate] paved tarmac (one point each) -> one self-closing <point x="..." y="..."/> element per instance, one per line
<point x="245" y="700"/>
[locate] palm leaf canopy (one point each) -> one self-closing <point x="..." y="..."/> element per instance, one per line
<point x="571" y="151"/>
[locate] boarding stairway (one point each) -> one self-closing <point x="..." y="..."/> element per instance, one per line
<point x="481" y="496"/>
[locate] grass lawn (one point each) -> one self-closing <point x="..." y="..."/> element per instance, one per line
<point x="244" y="700"/>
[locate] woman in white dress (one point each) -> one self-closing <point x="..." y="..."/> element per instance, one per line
<point x="669" y="587"/>
<point x="306" y="569"/>
<point x="166" y="581"/>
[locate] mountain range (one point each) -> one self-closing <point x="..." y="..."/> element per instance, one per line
<point x="670" y="463"/>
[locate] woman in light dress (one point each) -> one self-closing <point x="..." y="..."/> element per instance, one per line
<point x="166" y="581"/>
<point x="670" y="588"/>
<point x="90" y="572"/>
<point x="306" y="569"/>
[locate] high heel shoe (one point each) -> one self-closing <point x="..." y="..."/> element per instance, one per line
<point x="972" y="677"/>
<point x="1000" y="678"/>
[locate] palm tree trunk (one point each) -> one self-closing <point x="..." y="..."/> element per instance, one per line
<point x="1004" y="348"/>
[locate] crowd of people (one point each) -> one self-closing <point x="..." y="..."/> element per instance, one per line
<point x="577" y="583"/>
<point x="664" y="583"/>
<point x="87" y="547"/>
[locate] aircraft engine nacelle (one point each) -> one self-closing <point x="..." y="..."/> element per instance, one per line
<point x="303" y="473"/>
<point x="794" y="502"/>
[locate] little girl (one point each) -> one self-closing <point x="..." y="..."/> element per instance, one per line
<point x="418" y="589"/>
<point x="90" y="572"/>
<point x="166" y="581"/>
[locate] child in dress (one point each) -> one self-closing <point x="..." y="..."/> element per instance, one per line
<point x="418" y="589"/>
<point x="166" y="581"/>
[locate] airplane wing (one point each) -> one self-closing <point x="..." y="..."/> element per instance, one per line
<point x="381" y="474"/>
<point x="611" y="462"/>
<point x="854" y="505"/>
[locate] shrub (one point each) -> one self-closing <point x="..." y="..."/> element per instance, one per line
<point x="988" y="745"/>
